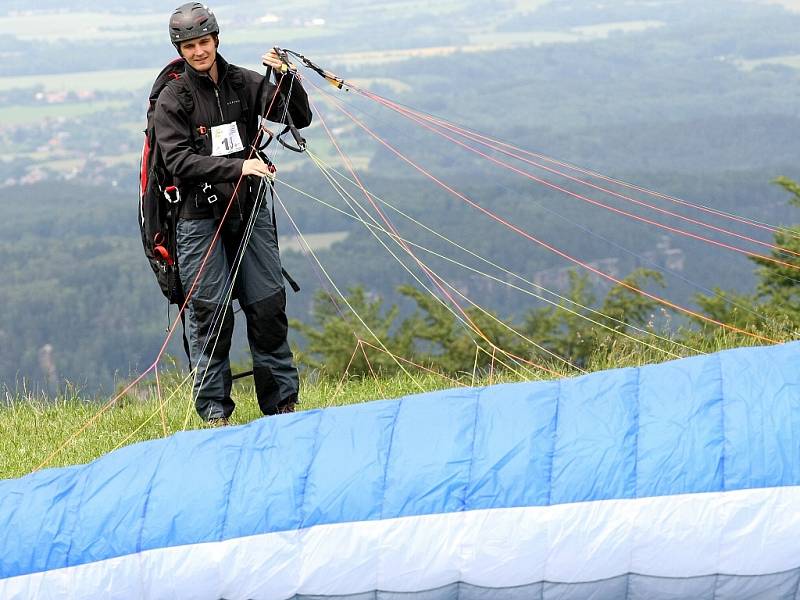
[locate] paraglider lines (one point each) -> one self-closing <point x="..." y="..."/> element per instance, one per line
<point x="487" y="313"/>
<point x="431" y="275"/>
<point x="161" y="405"/>
<point x="520" y="278"/>
<point x="336" y="288"/>
<point x="588" y="231"/>
<point x="528" y="292"/>
<point x="414" y="364"/>
<point x="469" y="324"/>
<point x="550" y="247"/>
<point x="612" y="208"/>
<point x="436" y="125"/>
<point x="343" y="378"/>
<point x="422" y="121"/>
<point x="416" y="278"/>
<point x="466" y="132"/>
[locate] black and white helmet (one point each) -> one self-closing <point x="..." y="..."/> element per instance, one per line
<point x="190" y="21"/>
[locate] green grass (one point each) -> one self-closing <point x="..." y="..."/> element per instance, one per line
<point x="32" y="429"/>
<point x="37" y="433"/>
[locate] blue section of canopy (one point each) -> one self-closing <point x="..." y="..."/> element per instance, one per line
<point x="711" y="423"/>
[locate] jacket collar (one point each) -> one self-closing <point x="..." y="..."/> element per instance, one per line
<point x="197" y="76"/>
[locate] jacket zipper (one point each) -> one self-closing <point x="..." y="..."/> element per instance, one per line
<point x="219" y="105"/>
<point x="222" y="116"/>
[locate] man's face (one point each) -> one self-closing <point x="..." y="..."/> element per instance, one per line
<point x="200" y="53"/>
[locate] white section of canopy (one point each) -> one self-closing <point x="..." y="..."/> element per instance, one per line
<point x="748" y="532"/>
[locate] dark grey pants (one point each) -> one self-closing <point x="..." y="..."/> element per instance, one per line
<point x="259" y="289"/>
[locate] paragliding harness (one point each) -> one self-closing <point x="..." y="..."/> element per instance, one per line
<point x="160" y="198"/>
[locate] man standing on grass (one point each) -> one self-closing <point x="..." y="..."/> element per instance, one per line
<point x="204" y="124"/>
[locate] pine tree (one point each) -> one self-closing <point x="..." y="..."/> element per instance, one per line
<point x="776" y="301"/>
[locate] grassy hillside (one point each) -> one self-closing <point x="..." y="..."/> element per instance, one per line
<point x="31" y="429"/>
<point x="35" y="433"/>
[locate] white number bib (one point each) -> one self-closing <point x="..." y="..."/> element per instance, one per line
<point x="225" y="140"/>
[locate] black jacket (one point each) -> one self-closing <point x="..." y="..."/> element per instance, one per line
<point x="188" y="108"/>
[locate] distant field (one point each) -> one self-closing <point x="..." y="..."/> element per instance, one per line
<point x="110" y="81"/>
<point x="288" y="164"/>
<point x="274" y="34"/>
<point x="131" y="159"/>
<point x="575" y="34"/>
<point x="23" y="115"/>
<point x="493" y="41"/>
<point x="317" y="241"/>
<point x="124" y="80"/>
<point x="253" y="25"/>
<point x="397" y="86"/>
<point x="789" y="60"/>
<point x="793" y="5"/>
<point x="499" y="43"/>
<point x="52" y="162"/>
<point x="93" y="26"/>
<point x="66" y="165"/>
<point x="82" y="26"/>
<point x="531" y="5"/>
<point x="603" y="30"/>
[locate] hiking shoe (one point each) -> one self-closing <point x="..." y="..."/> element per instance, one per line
<point x="286" y="408"/>
<point x="288" y="405"/>
<point x="218" y="422"/>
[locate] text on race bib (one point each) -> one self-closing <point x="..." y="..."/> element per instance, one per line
<point x="225" y="140"/>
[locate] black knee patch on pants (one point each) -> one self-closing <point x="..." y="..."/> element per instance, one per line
<point x="216" y="337"/>
<point x="267" y="325"/>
